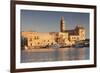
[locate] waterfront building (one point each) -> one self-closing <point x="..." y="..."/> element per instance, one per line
<point x="63" y="37"/>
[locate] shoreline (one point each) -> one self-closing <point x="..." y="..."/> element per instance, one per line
<point x="45" y="49"/>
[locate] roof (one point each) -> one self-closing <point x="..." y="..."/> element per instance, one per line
<point x="79" y="27"/>
<point x="71" y="32"/>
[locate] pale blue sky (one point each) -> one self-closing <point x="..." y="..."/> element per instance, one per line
<point x="49" y="21"/>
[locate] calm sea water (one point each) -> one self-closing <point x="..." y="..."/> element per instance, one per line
<point x="61" y="54"/>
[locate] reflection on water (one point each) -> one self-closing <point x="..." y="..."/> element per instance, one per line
<point x="61" y="54"/>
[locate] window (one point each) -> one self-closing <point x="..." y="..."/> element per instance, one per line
<point x="30" y="44"/>
<point x="30" y="39"/>
<point x="36" y="37"/>
<point x="38" y="42"/>
<point x="52" y="43"/>
<point x="77" y="38"/>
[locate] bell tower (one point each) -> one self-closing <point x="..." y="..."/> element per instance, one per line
<point x="62" y="24"/>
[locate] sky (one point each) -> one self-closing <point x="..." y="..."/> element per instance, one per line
<point x="49" y="21"/>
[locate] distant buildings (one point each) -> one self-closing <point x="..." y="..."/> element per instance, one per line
<point x="64" y="37"/>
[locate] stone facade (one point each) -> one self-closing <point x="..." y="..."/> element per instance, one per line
<point x="43" y="39"/>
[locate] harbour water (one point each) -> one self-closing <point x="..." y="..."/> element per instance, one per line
<point x="61" y="54"/>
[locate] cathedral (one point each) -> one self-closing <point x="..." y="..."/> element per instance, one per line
<point x="63" y="37"/>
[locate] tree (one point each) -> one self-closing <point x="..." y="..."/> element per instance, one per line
<point x="23" y="42"/>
